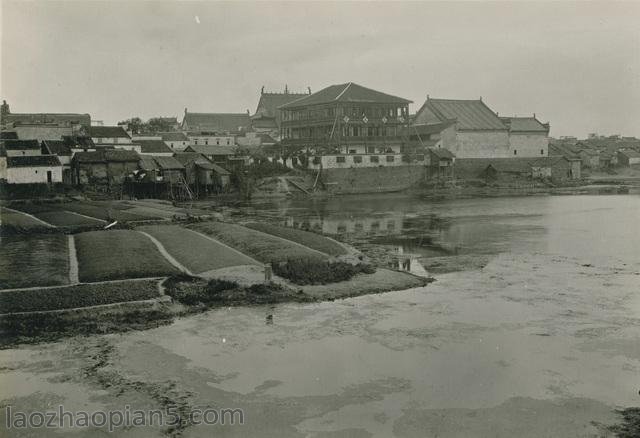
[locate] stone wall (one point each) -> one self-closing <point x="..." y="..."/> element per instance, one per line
<point x="529" y="145"/>
<point x="481" y="144"/>
<point x="371" y="179"/>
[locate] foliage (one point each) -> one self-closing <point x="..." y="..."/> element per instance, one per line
<point x="82" y="295"/>
<point x="192" y="290"/>
<point x="151" y="126"/>
<point x="312" y="271"/>
<point x="266" y="169"/>
<point x="134" y="124"/>
<point x="243" y="182"/>
<point x="312" y="240"/>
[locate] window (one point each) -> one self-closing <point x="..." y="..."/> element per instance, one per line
<point x="390" y="158"/>
<point x="218" y="142"/>
<point x="352" y="151"/>
<point x="374" y="159"/>
<point x="206" y="142"/>
<point x="541" y="151"/>
<point x="49" y="176"/>
<point x="196" y="141"/>
<point x="341" y="159"/>
<point x="357" y="159"/>
<point x="515" y="152"/>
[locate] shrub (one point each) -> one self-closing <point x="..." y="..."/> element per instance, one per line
<point x="192" y="290"/>
<point x="264" y="289"/>
<point x="313" y="271"/>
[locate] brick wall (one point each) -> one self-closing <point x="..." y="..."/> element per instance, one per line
<point x="371" y="179"/>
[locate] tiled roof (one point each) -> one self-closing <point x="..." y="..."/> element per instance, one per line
<point x="173" y="136"/>
<point x="630" y="153"/>
<point x="212" y="166"/>
<point x="104" y="155"/>
<point x="147" y="163"/>
<point x="46" y="118"/>
<point x="563" y="150"/>
<point x="33" y="161"/>
<point x="216" y="122"/>
<point x="107" y="132"/>
<point x="348" y="92"/>
<point x="57" y="147"/>
<point x="472" y="115"/>
<point x="153" y="147"/>
<point x="168" y="163"/>
<point x="189" y="157"/>
<point x="79" y="142"/>
<point x="20" y="145"/>
<point x="424" y="129"/>
<point x="8" y="135"/>
<point x="524" y="124"/>
<point x="442" y="153"/>
<point x="212" y="149"/>
<point x="270" y="102"/>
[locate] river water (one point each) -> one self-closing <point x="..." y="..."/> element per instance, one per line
<point x="531" y="329"/>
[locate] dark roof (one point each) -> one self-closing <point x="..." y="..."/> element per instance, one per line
<point x="57" y="147"/>
<point x="212" y="166"/>
<point x="8" y="135"/>
<point x="216" y="122"/>
<point x="147" y="163"/>
<point x="266" y="139"/>
<point x="548" y="161"/>
<point x="33" y="161"/>
<point x="20" y="145"/>
<point x="104" y="155"/>
<point x="107" y="132"/>
<point x="78" y="142"/>
<point x="270" y="102"/>
<point x="188" y="157"/>
<point x="168" y="163"/>
<point x="471" y="115"/>
<point x="524" y="124"/>
<point x="212" y="149"/>
<point x="630" y="153"/>
<point x="173" y="136"/>
<point x="423" y="129"/>
<point x="153" y="147"/>
<point x="442" y="153"/>
<point x="68" y="119"/>
<point x="564" y="150"/>
<point x="349" y="92"/>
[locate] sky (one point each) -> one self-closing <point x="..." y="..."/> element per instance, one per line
<point x="575" y="65"/>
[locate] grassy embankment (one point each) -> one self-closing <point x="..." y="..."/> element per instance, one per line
<point x="27" y="261"/>
<point x="117" y="255"/>
<point x="312" y="240"/>
<point x="256" y="244"/>
<point x="194" y="251"/>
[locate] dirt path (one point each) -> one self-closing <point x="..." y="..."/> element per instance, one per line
<point x="31" y="216"/>
<point x="226" y="246"/>
<point x="85" y="216"/>
<point x="69" y="285"/>
<point x="166" y="254"/>
<point x="74" y="277"/>
<point x="293" y="243"/>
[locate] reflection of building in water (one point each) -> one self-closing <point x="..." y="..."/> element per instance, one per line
<point x="390" y="223"/>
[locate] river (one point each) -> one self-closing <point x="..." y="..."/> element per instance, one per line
<point x="531" y="329"/>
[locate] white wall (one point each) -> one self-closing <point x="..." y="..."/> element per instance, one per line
<point x="331" y="161"/>
<point x="24" y="175"/>
<point x="528" y="145"/>
<point x="24" y="153"/>
<point x="482" y="144"/>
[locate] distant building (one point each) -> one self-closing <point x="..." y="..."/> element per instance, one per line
<point x="344" y="120"/>
<point x="111" y="137"/>
<point x="528" y="137"/>
<point x="628" y="157"/>
<point x="202" y="174"/>
<point x="216" y="154"/>
<point x="222" y="123"/>
<point x="31" y="169"/>
<point x="44" y="132"/>
<point x="61" y="149"/>
<point x="267" y="118"/>
<point x="104" y="166"/>
<point x="154" y="147"/>
<point x="10" y="120"/>
<point x="177" y="141"/>
<point x="204" y="138"/>
<point x="21" y="148"/>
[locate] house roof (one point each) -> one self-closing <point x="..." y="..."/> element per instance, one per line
<point x="79" y="142"/>
<point x="424" y="129"/>
<point x="103" y="155"/>
<point x="212" y="166"/>
<point x="212" y="149"/>
<point x="173" y="136"/>
<point x="216" y="122"/>
<point x="471" y="115"/>
<point x="57" y="147"/>
<point x="168" y="163"/>
<point x="548" y="161"/>
<point x="349" y="92"/>
<point x="630" y="153"/>
<point x="188" y="157"/>
<point x="563" y="150"/>
<point x="8" y="135"/>
<point x="33" y="161"/>
<point x="107" y="132"/>
<point x="270" y="102"/>
<point x="153" y="147"/>
<point x="147" y="162"/>
<point x="66" y="119"/>
<point x="442" y="153"/>
<point x="524" y="124"/>
<point x="20" y="145"/>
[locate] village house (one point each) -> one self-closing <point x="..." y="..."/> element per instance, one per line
<point x="267" y="118"/>
<point x="171" y="170"/>
<point x="204" y="138"/>
<point x="528" y="137"/>
<point x="104" y="166"/>
<point x="177" y="141"/>
<point x="346" y="125"/>
<point x="221" y="155"/>
<point x="21" y="148"/>
<point x="440" y="163"/>
<point x="112" y="136"/>
<point x="555" y="168"/>
<point x="70" y="120"/>
<point x="222" y="123"/>
<point x="202" y="174"/>
<point x="32" y="169"/>
<point x="61" y="149"/>
<point x="156" y="148"/>
<point x="628" y="157"/>
<point x="568" y="152"/>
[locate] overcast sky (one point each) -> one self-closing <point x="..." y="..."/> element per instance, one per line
<point x="576" y="65"/>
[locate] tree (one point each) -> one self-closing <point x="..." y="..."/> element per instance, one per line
<point x="159" y="124"/>
<point x="134" y="124"/>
